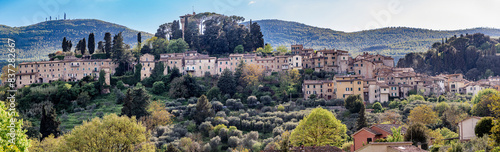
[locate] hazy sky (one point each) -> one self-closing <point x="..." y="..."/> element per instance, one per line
<point x="342" y="15"/>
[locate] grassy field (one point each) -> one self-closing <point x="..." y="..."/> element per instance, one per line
<point x="98" y="107"/>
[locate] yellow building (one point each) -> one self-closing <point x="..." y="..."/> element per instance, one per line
<point x="349" y="85"/>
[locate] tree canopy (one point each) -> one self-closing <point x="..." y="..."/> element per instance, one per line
<point x="109" y="133"/>
<point x="319" y="128"/>
<point x="20" y="142"/>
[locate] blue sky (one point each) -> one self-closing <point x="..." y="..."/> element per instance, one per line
<point x="342" y="15"/>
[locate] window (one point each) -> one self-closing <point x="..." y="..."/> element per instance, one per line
<point x="368" y="140"/>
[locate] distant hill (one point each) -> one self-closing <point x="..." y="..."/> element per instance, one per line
<point x="394" y="41"/>
<point x="473" y="55"/>
<point x="35" y="42"/>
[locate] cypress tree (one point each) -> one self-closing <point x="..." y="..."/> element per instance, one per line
<point x="64" y="45"/>
<point x="362" y="119"/>
<point x="91" y="44"/>
<point x="49" y="124"/>
<point x="139" y="38"/>
<point x="107" y="44"/>
<point x="82" y="46"/>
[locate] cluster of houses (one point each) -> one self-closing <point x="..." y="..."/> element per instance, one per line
<point x="374" y="77"/>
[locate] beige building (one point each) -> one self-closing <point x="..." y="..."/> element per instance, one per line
<point x="148" y="64"/>
<point x="69" y="69"/>
<point x="171" y="60"/>
<point x="200" y="64"/>
<point x="321" y="88"/>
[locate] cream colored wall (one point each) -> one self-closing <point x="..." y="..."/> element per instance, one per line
<point x="466" y="128"/>
<point x="62" y="70"/>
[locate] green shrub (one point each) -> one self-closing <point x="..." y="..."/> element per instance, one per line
<point x="99" y="56"/>
<point x="120" y="85"/>
<point x="158" y="87"/>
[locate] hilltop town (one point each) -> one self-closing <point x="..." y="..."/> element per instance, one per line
<point x="208" y="83"/>
<point x="372" y="76"/>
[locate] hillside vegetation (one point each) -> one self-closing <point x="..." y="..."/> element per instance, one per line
<point x="473" y="55"/>
<point x="394" y="41"/>
<point x="34" y="42"/>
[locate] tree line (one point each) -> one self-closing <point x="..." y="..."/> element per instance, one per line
<point x="214" y="33"/>
<point x="472" y="55"/>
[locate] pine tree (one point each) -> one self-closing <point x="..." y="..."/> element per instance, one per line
<point x="227" y="83"/>
<point x="120" y="55"/>
<point x="257" y="36"/>
<point x="203" y="109"/>
<point x="136" y="103"/>
<point x="49" y="123"/>
<point x="176" y="31"/>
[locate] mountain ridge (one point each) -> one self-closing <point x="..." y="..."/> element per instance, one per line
<point x="393" y="41"/>
<point x="36" y="41"/>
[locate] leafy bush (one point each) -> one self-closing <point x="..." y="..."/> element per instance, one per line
<point x="234" y="104"/>
<point x="252" y="101"/>
<point x="233" y="141"/>
<point x="214" y="142"/>
<point x="266" y="100"/>
<point x="484" y="126"/>
<point x="120" y="85"/>
<point x="159" y="87"/>
<point x="205" y="127"/>
<point x="281" y="108"/>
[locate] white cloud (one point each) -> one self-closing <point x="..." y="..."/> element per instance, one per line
<point x="251" y="2"/>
